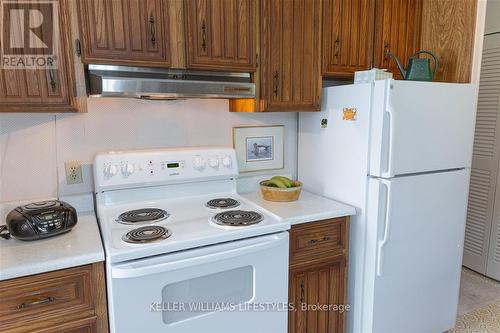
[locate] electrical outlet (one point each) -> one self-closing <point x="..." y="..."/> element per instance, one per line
<point x="73" y="172"/>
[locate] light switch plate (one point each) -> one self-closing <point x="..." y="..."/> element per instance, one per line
<point x="73" y="172"/>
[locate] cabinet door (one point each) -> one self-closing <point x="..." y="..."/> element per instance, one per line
<point x="43" y="90"/>
<point x="347" y="36"/>
<point x="291" y="55"/>
<point x="448" y="28"/>
<point x="31" y="88"/>
<point x="124" y="31"/>
<point x="397" y="30"/>
<point x="321" y="284"/>
<point x="221" y="34"/>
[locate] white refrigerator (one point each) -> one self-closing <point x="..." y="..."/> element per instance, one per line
<point x="400" y="152"/>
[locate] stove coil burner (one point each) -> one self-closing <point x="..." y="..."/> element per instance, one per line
<point x="144" y="215"/>
<point x="223" y="203"/>
<point x="147" y="234"/>
<point x="237" y="218"/>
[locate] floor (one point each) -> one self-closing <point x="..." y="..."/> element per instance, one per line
<point x="479" y="305"/>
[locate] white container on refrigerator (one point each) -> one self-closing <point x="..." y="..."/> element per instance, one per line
<point x="404" y="162"/>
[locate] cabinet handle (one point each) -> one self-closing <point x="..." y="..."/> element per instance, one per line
<point x="387" y="50"/>
<point x="314" y="241"/>
<point x="42" y="301"/>
<point x="302" y="291"/>
<point x="204" y="36"/>
<point x="52" y="79"/>
<point x="337" y="47"/>
<point x="275" y="83"/>
<point x="152" y="29"/>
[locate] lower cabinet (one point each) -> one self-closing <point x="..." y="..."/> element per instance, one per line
<point x="69" y="300"/>
<point x="318" y="276"/>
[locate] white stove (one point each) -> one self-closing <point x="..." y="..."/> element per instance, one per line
<point x="172" y="220"/>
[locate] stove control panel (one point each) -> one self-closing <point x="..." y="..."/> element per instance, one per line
<point x="135" y="168"/>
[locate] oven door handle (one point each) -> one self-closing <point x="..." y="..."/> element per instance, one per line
<point x="211" y="254"/>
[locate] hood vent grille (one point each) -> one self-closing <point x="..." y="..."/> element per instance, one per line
<point x="160" y="83"/>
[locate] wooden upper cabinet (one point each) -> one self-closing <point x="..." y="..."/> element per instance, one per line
<point x="131" y="32"/>
<point x="290" y="77"/>
<point x="348" y="28"/>
<point x="34" y="89"/>
<point x="448" y="28"/>
<point x="43" y="90"/>
<point x="397" y="30"/>
<point x="220" y="34"/>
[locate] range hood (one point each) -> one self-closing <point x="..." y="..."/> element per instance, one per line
<point x="161" y="83"/>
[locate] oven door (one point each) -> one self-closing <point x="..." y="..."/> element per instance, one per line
<point x="239" y="286"/>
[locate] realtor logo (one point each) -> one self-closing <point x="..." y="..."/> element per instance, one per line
<point x="29" y="34"/>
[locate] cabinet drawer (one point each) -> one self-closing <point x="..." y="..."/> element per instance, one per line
<point x="50" y="298"/>
<point x="318" y="240"/>
<point x="87" y="325"/>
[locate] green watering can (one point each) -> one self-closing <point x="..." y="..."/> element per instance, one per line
<point x="418" y="69"/>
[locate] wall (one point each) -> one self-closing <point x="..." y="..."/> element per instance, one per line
<point x="492" y="17"/>
<point x="34" y="147"/>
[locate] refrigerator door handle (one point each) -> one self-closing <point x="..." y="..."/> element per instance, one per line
<point x="390" y="160"/>
<point x="387" y="228"/>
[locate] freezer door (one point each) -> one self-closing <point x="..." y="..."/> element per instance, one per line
<point x="420" y="127"/>
<point x="416" y="241"/>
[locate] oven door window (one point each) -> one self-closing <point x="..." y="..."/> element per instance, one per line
<point x="221" y="291"/>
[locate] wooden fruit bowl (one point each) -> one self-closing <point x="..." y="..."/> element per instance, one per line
<point x="278" y="194"/>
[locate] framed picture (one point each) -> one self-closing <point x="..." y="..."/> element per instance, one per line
<point x="259" y="147"/>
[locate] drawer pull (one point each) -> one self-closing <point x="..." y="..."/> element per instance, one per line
<point x="315" y="241"/>
<point x="40" y="302"/>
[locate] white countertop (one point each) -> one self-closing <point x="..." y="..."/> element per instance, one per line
<point x="310" y="207"/>
<point x="80" y="246"/>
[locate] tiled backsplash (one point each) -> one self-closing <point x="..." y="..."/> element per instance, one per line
<point x="34" y="147"/>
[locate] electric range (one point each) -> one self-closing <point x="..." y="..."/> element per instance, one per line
<point x="175" y="231"/>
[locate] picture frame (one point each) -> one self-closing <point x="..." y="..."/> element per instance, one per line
<point x="259" y="148"/>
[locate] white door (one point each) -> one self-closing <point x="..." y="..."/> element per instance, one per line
<point x="421" y="126"/>
<point x="482" y="235"/>
<point x="416" y="229"/>
<point x="230" y="287"/>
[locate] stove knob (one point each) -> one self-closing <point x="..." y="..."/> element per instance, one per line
<point x="127" y="169"/>
<point x="199" y="163"/>
<point x="227" y="161"/>
<point x="213" y="162"/>
<point x="110" y="170"/>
